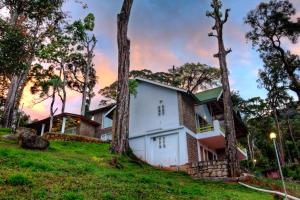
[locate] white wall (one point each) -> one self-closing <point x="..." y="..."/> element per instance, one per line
<point x="144" y="109"/>
<point x="175" y="153"/>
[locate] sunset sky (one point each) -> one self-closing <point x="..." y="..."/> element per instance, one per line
<point x="164" y="33"/>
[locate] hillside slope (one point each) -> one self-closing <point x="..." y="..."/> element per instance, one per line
<point x="74" y="170"/>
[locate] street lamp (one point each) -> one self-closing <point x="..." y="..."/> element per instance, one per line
<point x="273" y="137"/>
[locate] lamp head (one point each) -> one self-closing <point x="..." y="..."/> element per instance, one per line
<point x="273" y="135"/>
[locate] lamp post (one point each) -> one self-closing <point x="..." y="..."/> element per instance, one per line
<point x="273" y="137"/>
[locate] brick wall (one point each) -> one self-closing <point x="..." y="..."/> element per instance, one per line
<point x="186" y="111"/>
<point x="208" y="169"/>
<point x="86" y="129"/>
<point x="192" y="148"/>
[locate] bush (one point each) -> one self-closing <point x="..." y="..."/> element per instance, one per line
<point x="18" y="179"/>
<point x="5" y="130"/>
<point x="292" y="171"/>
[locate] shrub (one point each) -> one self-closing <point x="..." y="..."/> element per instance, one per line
<point x="292" y="171"/>
<point x="18" y="179"/>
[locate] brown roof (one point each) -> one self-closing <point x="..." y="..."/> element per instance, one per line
<point x="83" y="118"/>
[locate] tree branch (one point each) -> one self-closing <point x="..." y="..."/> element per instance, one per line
<point x="226" y="16"/>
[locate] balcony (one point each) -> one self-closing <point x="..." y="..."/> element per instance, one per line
<point x="215" y="127"/>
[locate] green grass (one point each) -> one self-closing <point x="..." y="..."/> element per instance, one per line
<point x="74" y="170"/>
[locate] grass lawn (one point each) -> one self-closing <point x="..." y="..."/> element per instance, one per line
<point x="74" y="170"/>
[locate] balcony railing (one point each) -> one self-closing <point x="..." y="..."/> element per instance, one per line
<point x="204" y="129"/>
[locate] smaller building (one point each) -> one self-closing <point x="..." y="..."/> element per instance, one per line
<point x="67" y="123"/>
<point x="103" y="116"/>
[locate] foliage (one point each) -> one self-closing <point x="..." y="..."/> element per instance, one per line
<point x="271" y="27"/>
<point x="18" y="179"/>
<point x="83" y="74"/>
<point x="190" y="76"/>
<point x="292" y="171"/>
<point x="70" y="170"/>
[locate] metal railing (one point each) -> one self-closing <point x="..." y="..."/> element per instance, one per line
<point x="207" y="128"/>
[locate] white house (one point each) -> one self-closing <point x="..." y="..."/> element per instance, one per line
<point x="169" y="126"/>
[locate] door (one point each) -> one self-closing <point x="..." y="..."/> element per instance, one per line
<point x="165" y="150"/>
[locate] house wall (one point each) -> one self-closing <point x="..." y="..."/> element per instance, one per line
<point x="173" y="154"/>
<point x="186" y="106"/>
<point x="86" y="129"/>
<point x="144" y="116"/>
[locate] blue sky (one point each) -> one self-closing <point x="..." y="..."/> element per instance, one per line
<point x="164" y="33"/>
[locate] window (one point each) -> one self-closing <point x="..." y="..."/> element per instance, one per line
<point x="161" y="108"/>
<point x="161" y="142"/>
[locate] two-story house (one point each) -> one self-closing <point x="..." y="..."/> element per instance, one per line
<point x="169" y="126"/>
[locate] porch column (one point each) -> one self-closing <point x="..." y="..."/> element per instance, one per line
<point x="63" y="125"/>
<point x="43" y="129"/>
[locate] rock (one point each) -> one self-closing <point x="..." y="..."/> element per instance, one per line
<point x="28" y="139"/>
<point x="12" y="137"/>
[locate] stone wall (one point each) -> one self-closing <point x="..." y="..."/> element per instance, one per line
<point x="192" y="149"/>
<point x="65" y="137"/>
<point x="208" y="169"/>
<point x="186" y="105"/>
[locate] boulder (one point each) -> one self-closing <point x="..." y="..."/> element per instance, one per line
<point x="28" y="139"/>
<point x="12" y="137"/>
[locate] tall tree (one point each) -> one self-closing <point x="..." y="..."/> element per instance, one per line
<point x="120" y="142"/>
<point x="271" y="27"/>
<point x="36" y="19"/>
<point x="194" y="76"/>
<point x="230" y="135"/>
<point x="47" y="85"/>
<point x="84" y="78"/>
<point x="190" y="76"/>
<point x="57" y="53"/>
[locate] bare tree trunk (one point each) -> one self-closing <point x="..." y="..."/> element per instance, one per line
<point x="52" y="112"/>
<point x="120" y="142"/>
<point x="230" y="135"/>
<point x="85" y="88"/>
<point x="64" y="97"/>
<point x="90" y="45"/>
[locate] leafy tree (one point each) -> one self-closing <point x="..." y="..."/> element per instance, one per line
<point x="230" y="135"/>
<point x="57" y="53"/>
<point x="47" y="85"/>
<point x="195" y="76"/>
<point x="36" y="20"/>
<point x="81" y="65"/>
<point x="271" y="26"/>
<point x="190" y="76"/>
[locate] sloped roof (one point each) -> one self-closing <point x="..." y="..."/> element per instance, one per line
<point x="83" y="118"/>
<point x="161" y="84"/>
<point x="209" y="95"/>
